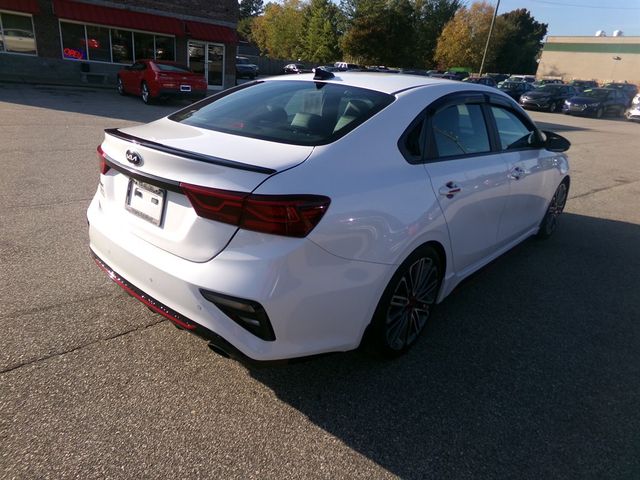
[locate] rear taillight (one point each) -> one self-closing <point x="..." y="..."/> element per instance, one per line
<point x="102" y="160"/>
<point x="289" y="215"/>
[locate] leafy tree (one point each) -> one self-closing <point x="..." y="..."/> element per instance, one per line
<point x="380" y="31"/>
<point x="464" y="37"/>
<point x="250" y="8"/>
<point x="322" y="38"/>
<point x="520" y="41"/>
<point x="362" y="40"/>
<point x="430" y="18"/>
<point x="277" y="32"/>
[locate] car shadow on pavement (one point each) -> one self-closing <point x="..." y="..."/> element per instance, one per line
<point x="529" y="369"/>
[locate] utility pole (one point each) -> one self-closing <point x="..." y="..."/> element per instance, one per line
<point x="486" y="47"/>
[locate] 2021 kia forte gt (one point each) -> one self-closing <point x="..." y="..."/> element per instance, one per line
<point x="297" y="216"/>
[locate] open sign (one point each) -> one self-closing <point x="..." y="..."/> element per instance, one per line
<point x="71" y="53"/>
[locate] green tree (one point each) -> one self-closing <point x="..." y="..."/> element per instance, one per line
<point x="250" y="8"/>
<point x="520" y="41"/>
<point x="464" y="37"/>
<point x="430" y="18"/>
<point x="322" y="38"/>
<point x="277" y="32"/>
<point x="380" y="32"/>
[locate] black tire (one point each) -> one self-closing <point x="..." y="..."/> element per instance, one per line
<point x="120" y="86"/>
<point x="145" y="94"/>
<point x="599" y="112"/>
<point x="406" y="304"/>
<point x="549" y="223"/>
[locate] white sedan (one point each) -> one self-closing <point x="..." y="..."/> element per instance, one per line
<point x="297" y="216"/>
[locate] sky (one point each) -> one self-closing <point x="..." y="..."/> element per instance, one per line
<point x="580" y="17"/>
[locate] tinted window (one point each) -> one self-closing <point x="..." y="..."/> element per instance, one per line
<point x="512" y="131"/>
<point x="144" y="45"/>
<point x="164" y="48"/>
<point x="98" y="43"/>
<point x="164" y="67"/>
<point x="460" y="130"/>
<point x="17" y="35"/>
<point x="300" y="113"/>
<point x="122" y="46"/>
<point x="74" y="45"/>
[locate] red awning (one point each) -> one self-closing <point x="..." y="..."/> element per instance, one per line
<point x="116" y="17"/>
<point x="211" y="33"/>
<point x="26" y="6"/>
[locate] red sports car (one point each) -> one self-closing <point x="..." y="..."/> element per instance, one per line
<point x="153" y="80"/>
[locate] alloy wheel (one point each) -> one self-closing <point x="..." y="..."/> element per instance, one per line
<point x="411" y="302"/>
<point x="556" y="207"/>
<point x="145" y="93"/>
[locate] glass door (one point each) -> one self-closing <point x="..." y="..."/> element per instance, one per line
<point x="208" y="59"/>
<point x="215" y="62"/>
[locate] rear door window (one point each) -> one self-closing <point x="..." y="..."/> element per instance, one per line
<point x="460" y="130"/>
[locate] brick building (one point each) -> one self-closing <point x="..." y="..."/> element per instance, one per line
<point x="68" y="41"/>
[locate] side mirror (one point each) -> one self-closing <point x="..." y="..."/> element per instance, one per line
<point x="555" y="142"/>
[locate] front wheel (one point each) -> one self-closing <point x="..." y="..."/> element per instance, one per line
<point x="551" y="218"/>
<point x="406" y="304"/>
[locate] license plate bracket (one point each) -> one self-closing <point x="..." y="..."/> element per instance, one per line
<point x="145" y="201"/>
<point x="185" y="88"/>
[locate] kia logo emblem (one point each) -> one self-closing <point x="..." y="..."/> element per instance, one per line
<point x="133" y="157"/>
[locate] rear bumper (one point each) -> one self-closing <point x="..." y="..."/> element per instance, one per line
<point x="316" y="302"/>
<point x="176" y="93"/>
<point x="216" y="342"/>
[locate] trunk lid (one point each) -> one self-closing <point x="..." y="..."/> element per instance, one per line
<point x="148" y="162"/>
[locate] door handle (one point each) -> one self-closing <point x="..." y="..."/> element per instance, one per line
<point x="449" y="189"/>
<point x="517" y="173"/>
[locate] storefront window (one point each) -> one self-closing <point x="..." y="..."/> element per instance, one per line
<point x="104" y="44"/>
<point x="122" y="46"/>
<point x="164" y="48"/>
<point x="98" y="44"/>
<point x="143" y="45"/>
<point x="16" y="34"/>
<point x="74" y="44"/>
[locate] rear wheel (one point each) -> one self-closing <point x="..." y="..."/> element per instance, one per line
<point x="120" y="86"/>
<point x="145" y="94"/>
<point x="406" y="304"/>
<point x="551" y="218"/>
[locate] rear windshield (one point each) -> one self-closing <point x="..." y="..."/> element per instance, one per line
<point x="294" y="112"/>
<point x="166" y="67"/>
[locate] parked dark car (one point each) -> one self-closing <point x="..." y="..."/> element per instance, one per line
<point x="547" y="81"/>
<point x="629" y="89"/>
<point x="246" y="69"/>
<point x="153" y="80"/>
<point x="490" y="82"/>
<point x="548" y="97"/>
<point x="457" y="75"/>
<point x="296" y="68"/>
<point x="498" y="77"/>
<point x="515" y="89"/>
<point x="582" y="85"/>
<point x="597" y="102"/>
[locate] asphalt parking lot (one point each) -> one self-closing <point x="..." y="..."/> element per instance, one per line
<point x="529" y="370"/>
